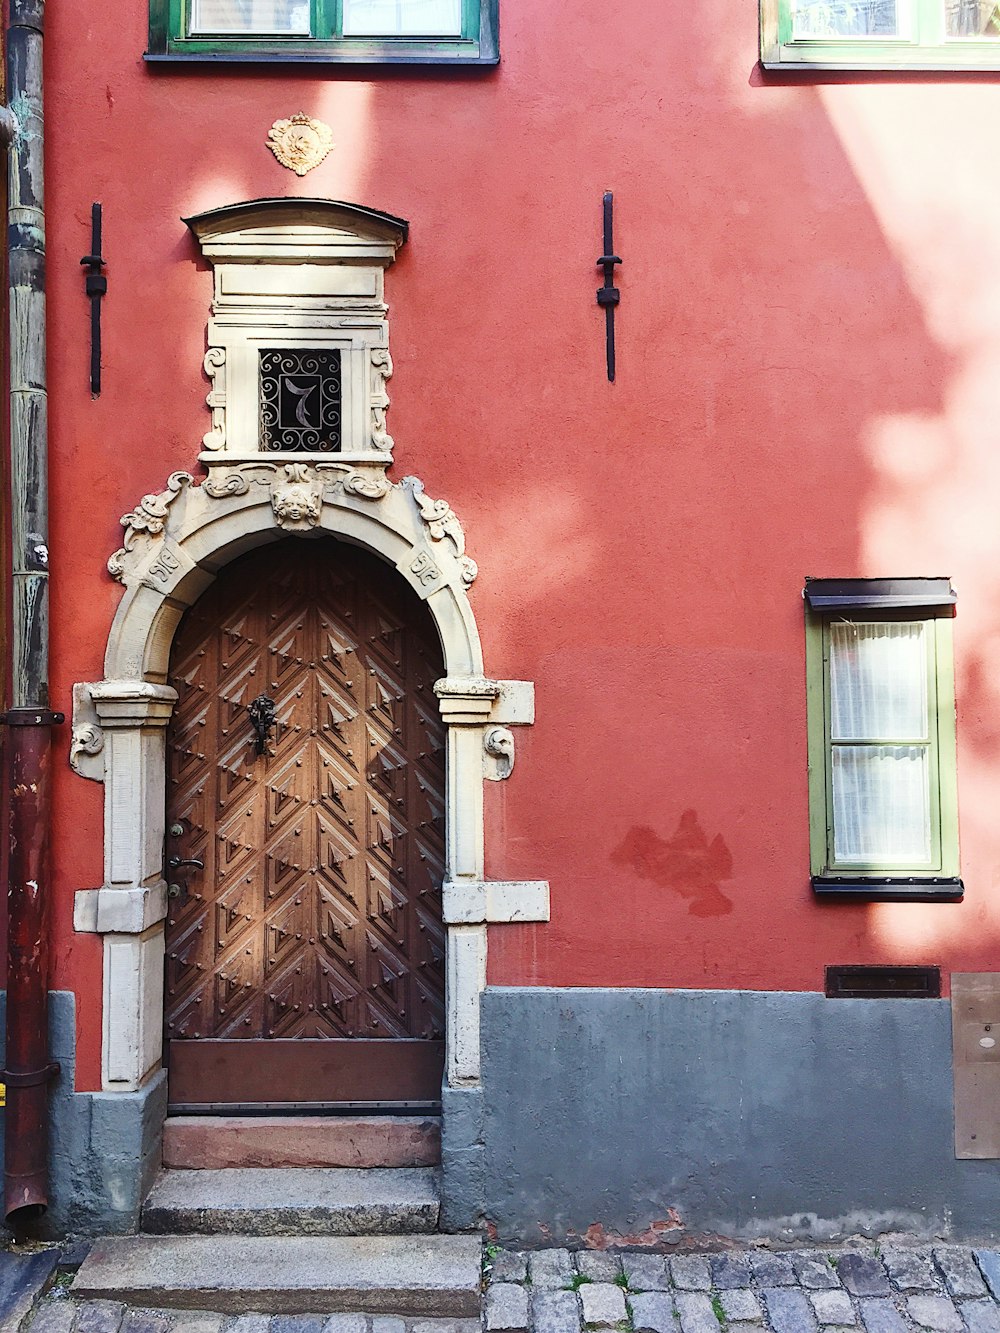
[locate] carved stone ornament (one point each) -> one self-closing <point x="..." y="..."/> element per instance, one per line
<point x="381" y="370"/>
<point x="149" y="515"/>
<point x="442" y="522"/>
<point x="215" y="369"/>
<point x="87" y="739"/>
<point x="298" y="500"/>
<point x="498" y="744"/>
<point x="300" y="143"/>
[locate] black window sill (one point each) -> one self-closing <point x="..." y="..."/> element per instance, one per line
<point x="901" y="889"/>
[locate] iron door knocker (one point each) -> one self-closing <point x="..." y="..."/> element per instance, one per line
<point x="262" y="716"/>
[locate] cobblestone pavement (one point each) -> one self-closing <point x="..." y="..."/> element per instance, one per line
<point x="878" y="1289"/>
<point x="890" y="1288"/>
<point x="59" y="1314"/>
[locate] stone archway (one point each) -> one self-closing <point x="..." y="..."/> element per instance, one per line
<point x="175" y="542"/>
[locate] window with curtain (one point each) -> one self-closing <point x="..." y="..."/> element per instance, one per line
<point x="357" y="31"/>
<point x="882" y="738"/>
<point x="880" y="34"/>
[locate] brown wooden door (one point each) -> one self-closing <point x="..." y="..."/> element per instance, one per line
<point x="305" y="961"/>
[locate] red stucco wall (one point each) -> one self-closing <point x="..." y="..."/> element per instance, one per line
<point x="808" y="339"/>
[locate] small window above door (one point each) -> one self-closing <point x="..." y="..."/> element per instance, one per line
<point x="374" y="32"/>
<point x="298" y="342"/>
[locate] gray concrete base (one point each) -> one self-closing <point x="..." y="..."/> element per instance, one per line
<point x="463" y="1159"/>
<point x="642" y="1116"/>
<point x="104" y="1147"/>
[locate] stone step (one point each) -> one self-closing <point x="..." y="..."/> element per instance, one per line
<point x="294" y="1201"/>
<point x="436" y="1276"/>
<point x="206" y="1142"/>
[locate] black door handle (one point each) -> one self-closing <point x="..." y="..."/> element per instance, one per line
<point x="176" y="862"/>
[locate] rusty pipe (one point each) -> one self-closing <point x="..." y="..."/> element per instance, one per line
<point x="28" y="1068"/>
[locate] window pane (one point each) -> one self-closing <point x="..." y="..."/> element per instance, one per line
<point x="878" y="681"/>
<point x="250" y="16"/>
<point x="881" y="804"/>
<point x="972" y="18"/>
<point x="398" y="18"/>
<point x="845" y="18"/>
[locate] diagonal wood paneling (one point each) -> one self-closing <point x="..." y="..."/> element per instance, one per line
<point x="318" y="913"/>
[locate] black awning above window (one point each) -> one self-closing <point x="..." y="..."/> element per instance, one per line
<point x="880" y="594"/>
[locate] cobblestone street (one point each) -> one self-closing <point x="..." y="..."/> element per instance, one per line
<point x="892" y="1289"/>
<point x="886" y="1289"/>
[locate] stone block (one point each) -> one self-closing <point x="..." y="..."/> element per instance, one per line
<point x="863" y="1276"/>
<point x="980" y="1316"/>
<point x="788" y="1311"/>
<point x="508" y="1266"/>
<point x="599" y="1265"/>
<point x="201" y="1321"/>
<point x="646" y="1272"/>
<point x="814" y="1271"/>
<point x="989" y="1266"/>
<point x="550" y="1268"/>
<point x="54" y="1316"/>
<point x="555" y="1311"/>
<point x="772" y="1270"/>
<point x="144" y="1321"/>
<point x="380" y="1324"/>
<point x="881" y="1316"/>
<point x="345" y="1323"/>
<point x="730" y="1271"/>
<point x="936" y="1312"/>
<point x="99" y="1317"/>
<point x="696" y="1313"/>
<point x="960" y="1272"/>
<point x="298" y="1323"/>
<point x="740" y="1304"/>
<point x="261" y="1323"/>
<point x="690" y="1272"/>
<point x="653" y="1312"/>
<point x="833" y="1307"/>
<point x="506" y="1307"/>
<point x="909" y="1269"/>
<point x="23" y="1278"/>
<point x="603" y="1304"/>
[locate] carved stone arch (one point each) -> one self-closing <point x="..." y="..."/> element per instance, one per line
<point x="175" y="543"/>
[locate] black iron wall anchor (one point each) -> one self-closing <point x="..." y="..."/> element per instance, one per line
<point x="97" y="286"/>
<point x="262" y="712"/>
<point x="608" y="296"/>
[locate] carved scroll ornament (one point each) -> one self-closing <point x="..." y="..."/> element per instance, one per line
<point x="442" y="522"/>
<point x="149" y="516"/>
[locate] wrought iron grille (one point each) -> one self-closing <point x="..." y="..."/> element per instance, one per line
<point x="300" y="400"/>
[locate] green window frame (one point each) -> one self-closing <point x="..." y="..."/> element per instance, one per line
<point x="923" y="43"/>
<point x="924" y="606"/>
<point x="170" y="40"/>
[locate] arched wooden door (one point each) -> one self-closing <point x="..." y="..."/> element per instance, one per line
<point x="305" y="956"/>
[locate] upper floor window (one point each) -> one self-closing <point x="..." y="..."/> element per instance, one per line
<point x="880" y="34"/>
<point x="355" y="31"/>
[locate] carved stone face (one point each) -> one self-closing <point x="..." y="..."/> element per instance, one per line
<point x="296" y="507"/>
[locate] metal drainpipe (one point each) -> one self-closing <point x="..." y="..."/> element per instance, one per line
<point x="29" y="720"/>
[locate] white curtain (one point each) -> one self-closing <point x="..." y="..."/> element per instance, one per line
<point x="250" y="16"/>
<point x="881" y="792"/>
<point x="402" y="18"/>
<point x="845" y="18"/>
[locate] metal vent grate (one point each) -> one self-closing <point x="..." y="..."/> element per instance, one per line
<point x="883" y="983"/>
<point x="300" y="400"/>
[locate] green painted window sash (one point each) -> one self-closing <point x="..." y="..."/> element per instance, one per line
<point x="941" y="746"/>
<point x="168" y="38"/>
<point x="926" y="49"/>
